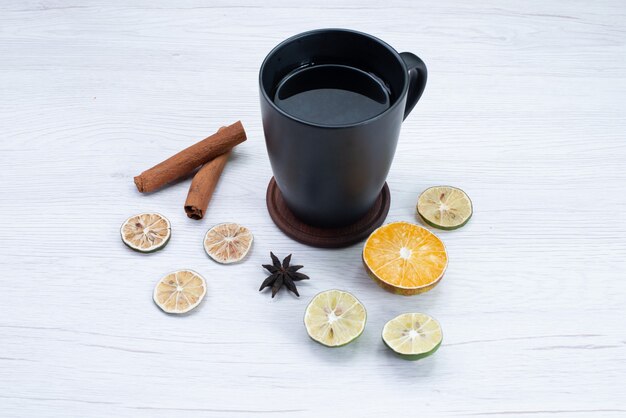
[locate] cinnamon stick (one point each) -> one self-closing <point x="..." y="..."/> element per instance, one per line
<point x="190" y="158"/>
<point x="203" y="186"/>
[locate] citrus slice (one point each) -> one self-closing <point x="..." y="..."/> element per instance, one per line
<point x="146" y="232"/>
<point x="180" y="291"/>
<point x="405" y="258"/>
<point x="412" y="335"/>
<point x="334" y="318"/>
<point x="444" y="207"/>
<point x="228" y="242"/>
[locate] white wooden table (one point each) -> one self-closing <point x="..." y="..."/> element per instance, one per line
<point x="524" y="109"/>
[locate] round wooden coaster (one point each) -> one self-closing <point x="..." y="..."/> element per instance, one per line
<point x="325" y="237"/>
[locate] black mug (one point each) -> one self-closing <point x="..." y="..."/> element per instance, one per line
<point x="329" y="168"/>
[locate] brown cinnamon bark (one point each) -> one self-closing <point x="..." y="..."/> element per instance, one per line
<point x="189" y="159"/>
<point x="203" y="186"/>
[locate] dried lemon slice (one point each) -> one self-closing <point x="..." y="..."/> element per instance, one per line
<point x="334" y="318"/>
<point x="413" y="335"/>
<point x="180" y="291"/>
<point x="405" y="258"/>
<point x="444" y="207"/>
<point x="228" y="242"/>
<point x="146" y="232"/>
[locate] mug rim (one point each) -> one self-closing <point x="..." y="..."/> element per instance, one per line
<point x="316" y="31"/>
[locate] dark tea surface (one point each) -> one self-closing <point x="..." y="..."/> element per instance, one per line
<point x="332" y="95"/>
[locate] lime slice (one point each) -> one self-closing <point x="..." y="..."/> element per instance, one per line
<point x="444" y="207"/>
<point x="146" y="232"/>
<point x="180" y="291"/>
<point x="412" y="335"/>
<point x="334" y="318"/>
<point x="228" y="243"/>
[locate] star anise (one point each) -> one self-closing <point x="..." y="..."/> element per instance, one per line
<point x="282" y="274"/>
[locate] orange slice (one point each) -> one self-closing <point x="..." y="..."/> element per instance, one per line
<point x="405" y="258"/>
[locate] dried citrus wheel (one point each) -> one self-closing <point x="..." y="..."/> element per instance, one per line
<point x="228" y="242"/>
<point x="146" y="232"/>
<point x="334" y="318"/>
<point x="405" y="258"/>
<point x="180" y="291"/>
<point x="413" y="335"/>
<point x="444" y="207"/>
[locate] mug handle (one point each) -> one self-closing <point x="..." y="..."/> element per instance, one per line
<point x="417" y="80"/>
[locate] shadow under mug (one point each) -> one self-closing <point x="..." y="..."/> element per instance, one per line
<point x="330" y="175"/>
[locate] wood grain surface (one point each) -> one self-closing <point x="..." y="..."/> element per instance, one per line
<point x="524" y="110"/>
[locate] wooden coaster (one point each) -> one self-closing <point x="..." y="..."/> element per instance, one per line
<point x="325" y="237"/>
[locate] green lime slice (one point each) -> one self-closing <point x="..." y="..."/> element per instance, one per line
<point x="146" y="232"/>
<point x="444" y="207"/>
<point x="334" y="318"/>
<point x="412" y="335"/>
